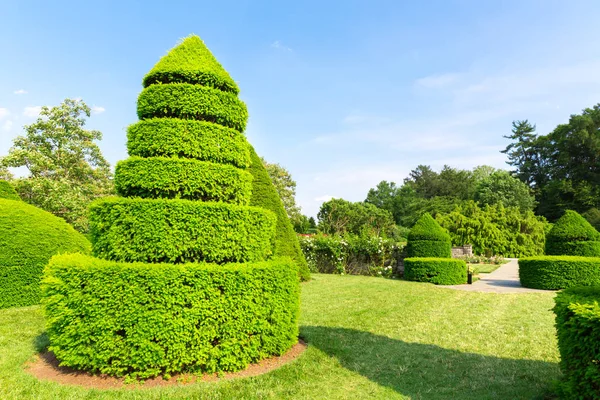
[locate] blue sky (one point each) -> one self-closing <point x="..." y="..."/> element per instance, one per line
<point x="343" y="94"/>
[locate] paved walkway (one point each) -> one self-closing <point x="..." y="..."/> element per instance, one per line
<point x="503" y="280"/>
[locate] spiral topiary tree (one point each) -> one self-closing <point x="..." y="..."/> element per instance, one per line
<point x="183" y="278"/>
<point x="573" y="235"/>
<point x="428" y="239"/>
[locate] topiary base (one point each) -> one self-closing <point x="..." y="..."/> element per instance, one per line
<point x="441" y="271"/>
<point x="559" y="272"/>
<point x="144" y="320"/>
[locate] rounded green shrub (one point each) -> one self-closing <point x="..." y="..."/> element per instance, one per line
<point x="181" y="178"/>
<point x="572" y="235"/>
<point x="441" y="271"/>
<point x="169" y="318"/>
<point x="578" y="330"/>
<point x="559" y="272"/>
<point x="29" y="237"/>
<point x="428" y="239"/>
<point x="7" y="191"/>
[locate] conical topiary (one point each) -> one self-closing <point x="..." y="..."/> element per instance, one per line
<point x="184" y="280"/>
<point x="572" y="235"/>
<point x="428" y="239"/>
<point x="7" y="191"/>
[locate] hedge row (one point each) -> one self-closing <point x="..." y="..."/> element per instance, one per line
<point x="573" y="235"/>
<point x="161" y="177"/>
<point x="7" y="191"/>
<point x="578" y="330"/>
<point x="441" y="271"/>
<point x="171" y="137"/>
<point x="428" y="239"/>
<point x="168" y="318"/>
<point x="182" y="100"/>
<point x="191" y="62"/>
<point x="179" y="231"/>
<point x="559" y="272"/>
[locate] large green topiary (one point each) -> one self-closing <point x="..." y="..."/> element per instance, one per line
<point x="428" y="239"/>
<point x="188" y="201"/>
<point x="29" y="237"/>
<point x="441" y="271"/>
<point x="572" y="235"/>
<point x="7" y="191"/>
<point x="559" y="272"/>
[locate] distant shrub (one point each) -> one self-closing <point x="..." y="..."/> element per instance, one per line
<point x="428" y="239"/>
<point x="559" y="272"/>
<point x="29" y="237"/>
<point x="7" y="191"/>
<point x="578" y="330"/>
<point x="441" y="271"/>
<point x="572" y="235"/>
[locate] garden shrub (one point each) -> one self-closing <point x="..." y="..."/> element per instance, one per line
<point x="168" y="318"/>
<point x="264" y="195"/>
<point x="559" y="272"/>
<point x="578" y="330"/>
<point x="7" y="191"/>
<point x="428" y="239"/>
<point x="441" y="271"/>
<point x="572" y="235"/>
<point x="29" y="237"/>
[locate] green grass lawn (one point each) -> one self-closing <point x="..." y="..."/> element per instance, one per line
<point x="369" y="338"/>
<point x="484" y="268"/>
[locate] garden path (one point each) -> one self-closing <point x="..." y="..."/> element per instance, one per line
<point x="503" y="280"/>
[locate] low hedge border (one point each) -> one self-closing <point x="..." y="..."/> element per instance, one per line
<point x="441" y="271"/>
<point x="179" y="231"/>
<point x="182" y="100"/>
<point x="168" y="318"/>
<point x="172" y="137"/>
<point x="181" y="178"/>
<point x="559" y="272"/>
<point x="578" y="330"/>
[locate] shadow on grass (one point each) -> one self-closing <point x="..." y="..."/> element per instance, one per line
<point x="423" y="371"/>
<point x="41" y="342"/>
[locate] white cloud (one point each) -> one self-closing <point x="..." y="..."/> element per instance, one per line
<point x="280" y="46"/>
<point x="323" y="198"/>
<point x="20" y="91"/>
<point x="437" y="81"/>
<point x="4" y="112"/>
<point x="98" y="110"/>
<point x="7" y="126"/>
<point x="32" y="111"/>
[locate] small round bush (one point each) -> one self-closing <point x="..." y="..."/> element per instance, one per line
<point x="7" y="191"/>
<point x="428" y="239"/>
<point x="572" y="235"/>
<point x="559" y="272"/>
<point x="441" y="271"/>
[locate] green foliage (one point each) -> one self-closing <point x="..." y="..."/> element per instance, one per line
<point x="171" y="137"/>
<point x="7" y="191"/>
<point x="305" y="225"/>
<point x="502" y="188"/>
<point x="264" y="195"/>
<point x="179" y="231"/>
<point x="559" y="272"/>
<point x="593" y="217"/>
<point x="160" y="177"/>
<point x="428" y="239"/>
<point x="286" y="189"/>
<point x="441" y="271"/>
<point x="351" y="254"/>
<point x="578" y="331"/>
<point x="168" y="318"/>
<point x="190" y="61"/>
<point x="29" y="237"/>
<point x="572" y="235"/>
<point x="338" y="216"/>
<point x="185" y="101"/>
<point x="496" y="230"/>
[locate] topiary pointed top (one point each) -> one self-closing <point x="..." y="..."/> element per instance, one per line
<point x="572" y="227"/>
<point x="191" y="62"/>
<point x="427" y="228"/>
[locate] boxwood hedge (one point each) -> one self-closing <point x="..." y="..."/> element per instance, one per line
<point x="179" y="231"/>
<point x="29" y="237"/>
<point x="182" y="100"/>
<point x="168" y="318"/>
<point x="161" y="177"/>
<point x="578" y="330"/>
<point x="559" y="272"/>
<point x="7" y="191"/>
<point x="441" y="271"/>
<point x="172" y="137"/>
<point x="428" y="239"/>
<point x="573" y="235"/>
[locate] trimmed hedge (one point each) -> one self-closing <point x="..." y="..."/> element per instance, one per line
<point x="559" y="272"/>
<point x="573" y="235"/>
<point x="171" y="137"/>
<point x="179" y="231"/>
<point x="428" y="239"/>
<point x="578" y="330"/>
<point x="191" y="62"/>
<point x="264" y="195"/>
<point x="441" y="271"/>
<point x="185" y="101"/>
<point x="7" y="191"/>
<point x="29" y="237"/>
<point x="168" y="318"/>
<point x="160" y="177"/>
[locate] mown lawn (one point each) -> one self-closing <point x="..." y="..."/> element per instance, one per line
<point x="369" y="338"/>
<point x="484" y="268"/>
